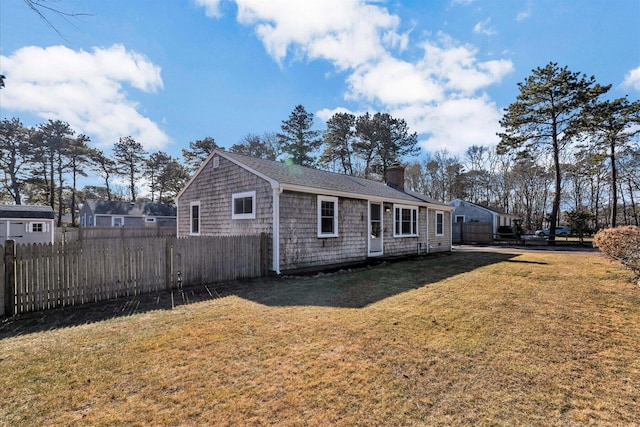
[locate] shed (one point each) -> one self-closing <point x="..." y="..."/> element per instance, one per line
<point x="27" y="223"/>
<point x="111" y="213"/>
<point x="471" y="213"/>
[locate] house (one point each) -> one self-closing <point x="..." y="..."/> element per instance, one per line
<point x="110" y="213"/>
<point x="26" y="224"/>
<point x="315" y="218"/>
<point x="465" y="212"/>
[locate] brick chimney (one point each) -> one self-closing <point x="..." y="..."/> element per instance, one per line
<point x="395" y="177"/>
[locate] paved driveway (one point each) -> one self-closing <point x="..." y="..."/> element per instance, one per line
<point x="523" y="249"/>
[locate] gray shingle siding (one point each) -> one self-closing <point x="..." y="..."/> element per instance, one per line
<point x="300" y="246"/>
<point x="214" y="189"/>
<point x="297" y="189"/>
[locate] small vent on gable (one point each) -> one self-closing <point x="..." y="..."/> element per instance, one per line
<point x="216" y="162"/>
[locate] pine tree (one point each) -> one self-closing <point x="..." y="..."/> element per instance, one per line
<point x="298" y="139"/>
<point x="612" y="125"/>
<point x="546" y="116"/>
<point x="130" y="156"/>
<point x="198" y="152"/>
<point x="338" y="140"/>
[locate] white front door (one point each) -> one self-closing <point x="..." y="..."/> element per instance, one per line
<point x="375" y="229"/>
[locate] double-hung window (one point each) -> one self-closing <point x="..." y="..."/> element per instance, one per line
<point x="243" y="205"/>
<point x="194" y="218"/>
<point x="405" y="219"/>
<point x="439" y="223"/>
<point x="327" y="216"/>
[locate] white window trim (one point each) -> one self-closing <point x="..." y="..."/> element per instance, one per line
<point x="436" y="223"/>
<point x="459" y="216"/>
<point x="335" y="216"/>
<point x="191" y="205"/>
<point x="113" y="221"/>
<point x="413" y="208"/>
<point x="45" y="227"/>
<point x="235" y="196"/>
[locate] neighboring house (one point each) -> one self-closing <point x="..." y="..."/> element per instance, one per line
<point x="315" y="218"/>
<point x="109" y="213"/>
<point x="470" y="212"/>
<point x="26" y="224"/>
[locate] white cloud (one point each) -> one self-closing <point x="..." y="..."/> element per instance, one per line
<point x="456" y="68"/>
<point x="211" y="7"/>
<point x="391" y="81"/>
<point x="84" y="89"/>
<point x="483" y="27"/>
<point x="346" y="33"/>
<point x="454" y="124"/>
<point x="326" y="113"/>
<point x="525" y="14"/>
<point x="440" y="95"/>
<point x="632" y="79"/>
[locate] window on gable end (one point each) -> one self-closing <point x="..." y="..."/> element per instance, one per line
<point x="243" y="205"/>
<point x="194" y="218"/>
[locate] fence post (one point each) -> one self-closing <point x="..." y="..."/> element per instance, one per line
<point x="168" y="268"/>
<point x="9" y="285"/>
<point x="264" y="254"/>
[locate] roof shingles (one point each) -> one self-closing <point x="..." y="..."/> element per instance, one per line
<point x="301" y="176"/>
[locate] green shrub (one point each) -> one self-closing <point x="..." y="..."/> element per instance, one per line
<point x="621" y="244"/>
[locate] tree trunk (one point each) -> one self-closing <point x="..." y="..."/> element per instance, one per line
<point x="556" y="200"/>
<point x="633" y="203"/>
<point x="73" y="199"/>
<point x="614" y="185"/>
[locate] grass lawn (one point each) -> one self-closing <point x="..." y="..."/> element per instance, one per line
<point x="468" y="339"/>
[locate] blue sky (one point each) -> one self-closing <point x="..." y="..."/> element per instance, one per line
<point x="172" y="72"/>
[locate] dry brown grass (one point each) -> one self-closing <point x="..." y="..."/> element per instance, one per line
<point x="468" y="339"/>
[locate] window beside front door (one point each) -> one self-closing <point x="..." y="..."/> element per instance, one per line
<point x="405" y="219"/>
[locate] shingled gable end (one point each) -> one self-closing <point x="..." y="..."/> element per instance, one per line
<point x="315" y="218"/>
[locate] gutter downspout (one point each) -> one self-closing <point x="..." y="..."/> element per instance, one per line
<point x="428" y="247"/>
<point x="275" y="234"/>
<point x="451" y="231"/>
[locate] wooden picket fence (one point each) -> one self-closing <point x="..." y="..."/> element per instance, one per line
<point x="73" y="234"/>
<point x="472" y="232"/>
<point x="43" y="276"/>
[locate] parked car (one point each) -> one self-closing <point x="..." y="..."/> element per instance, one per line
<point x="561" y="231"/>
